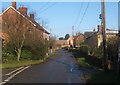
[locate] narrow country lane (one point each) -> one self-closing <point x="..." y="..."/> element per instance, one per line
<point x="59" y="68"/>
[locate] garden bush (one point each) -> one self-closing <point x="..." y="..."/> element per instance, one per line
<point x="8" y="54"/>
<point x="34" y="52"/>
<point x="26" y="54"/>
<point x="39" y="52"/>
<point x="84" y="50"/>
<point x="112" y="49"/>
<point x="98" y="52"/>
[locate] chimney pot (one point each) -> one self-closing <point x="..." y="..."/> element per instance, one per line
<point x="32" y="16"/>
<point x="14" y="4"/>
<point x="23" y="10"/>
<point x="22" y="5"/>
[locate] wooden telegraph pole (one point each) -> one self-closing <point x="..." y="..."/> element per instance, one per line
<point x="72" y="30"/>
<point x="73" y="37"/>
<point x="118" y="63"/>
<point x="105" y="58"/>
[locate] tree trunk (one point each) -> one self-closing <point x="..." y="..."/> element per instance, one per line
<point x="20" y="49"/>
<point x="18" y="55"/>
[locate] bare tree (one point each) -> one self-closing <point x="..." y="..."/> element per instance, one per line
<point x="17" y="28"/>
<point x="44" y="23"/>
<point x="52" y="40"/>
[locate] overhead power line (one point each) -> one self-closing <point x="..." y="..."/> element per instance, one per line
<point x="44" y="5"/>
<point x="84" y="14"/>
<point x="78" y="16"/>
<point x="48" y="7"/>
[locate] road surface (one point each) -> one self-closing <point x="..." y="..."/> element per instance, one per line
<point x="59" y="68"/>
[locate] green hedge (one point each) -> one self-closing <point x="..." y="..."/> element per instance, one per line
<point x="84" y="50"/>
<point x="98" y="52"/>
<point x="28" y="53"/>
<point x="8" y="54"/>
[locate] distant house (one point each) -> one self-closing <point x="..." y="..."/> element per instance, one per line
<point x="79" y="38"/>
<point x="88" y="34"/>
<point x="20" y="14"/>
<point x="94" y="38"/>
<point x="61" y="43"/>
<point x="74" y="41"/>
<point x="71" y="41"/>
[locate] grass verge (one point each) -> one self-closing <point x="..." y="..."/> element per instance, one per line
<point x="15" y="64"/>
<point x="20" y="63"/>
<point x="81" y="62"/>
<point x="109" y="77"/>
<point x="102" y="77"/>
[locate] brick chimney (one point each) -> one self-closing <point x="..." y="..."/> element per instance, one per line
<point x="99" y="28"/>
<point x="23" y="10"/>
<point x="14" y="4"/>
<point x="32" y="16"/>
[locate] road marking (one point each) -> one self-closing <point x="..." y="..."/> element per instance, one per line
<point x="9" y="78"/>
<point x="71" y="69"/>
<point x="14" y="71"/>
<point x="2" y="83"/>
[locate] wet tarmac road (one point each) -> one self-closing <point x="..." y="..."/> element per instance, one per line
<point x="59" y="68"/>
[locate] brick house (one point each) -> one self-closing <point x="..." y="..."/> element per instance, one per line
<point x="79" y="38"/>
<point x="71" y="41"/>
<point x="94" y="38"/>
<point x="74" y="41"/>
<point x="14" y="18"/>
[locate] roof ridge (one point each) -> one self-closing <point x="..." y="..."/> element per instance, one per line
<point x="4" y="11"/>
<point x="34" y="23"/>
<point x="18" y="13"/>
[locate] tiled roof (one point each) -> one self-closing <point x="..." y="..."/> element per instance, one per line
<point x="34" y="23"/>
<point x="88" y="34"/>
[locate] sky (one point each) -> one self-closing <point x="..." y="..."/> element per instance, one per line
<point x="61" y="16"/>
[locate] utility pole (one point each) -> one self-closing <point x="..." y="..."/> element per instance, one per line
<point x="73" y="36"/>
<point x="105" y="58"/>
<point x="118" y="62"/>
<point x="72" y="30"/>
